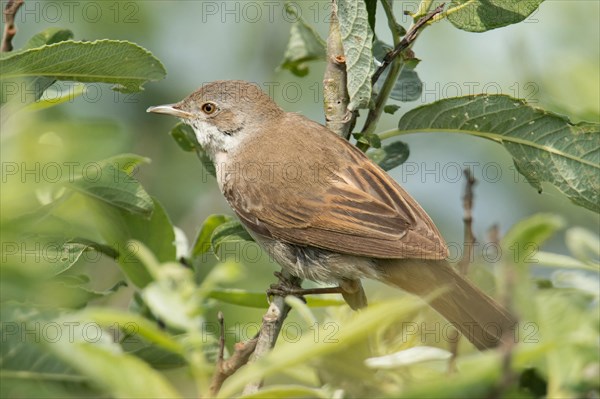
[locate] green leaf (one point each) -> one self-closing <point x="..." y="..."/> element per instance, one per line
<point x="133" y="324"/>
<point x="77" y="295"/>
<point x="357" y="329"/>
<point x="583" y="244"/>
<point x="240" y="297"/>
<point x="407" y="357"/>
<point x="185" y="137"/>
<point x="118" y="227"/>
<point x="117" y="374"/>
<point x="29" y="370"/>
<point x="526" y="236"/>
<point x="357" y="39"/>
<point x="545" y="147"/>
<point x="371" y="140"/>
<point x="250" y="299"/>
<point x="391" y="155"/>
<point x="408" y="87"/>
<point x="563" y="261"/>
<point x="305" y="45"/>
<point x="203" y="243"/>
<point x="116" y="188"/>
<point x="48" y="36"/>
<point x="229" y="233"/>
<point x="481" y="16"/>
<point x="67" y="256"/>
<point x="124" y="64"/>
<point x="286" y="392"/>
<point x="63" y="96"/>
<point x="101" y="248"/>
<point x="39" y="84"/>
<point x="128" y="163"/>
<point x="391" y="109"/>
<point x="159" y="358"/>
<point x="372" y="11"/>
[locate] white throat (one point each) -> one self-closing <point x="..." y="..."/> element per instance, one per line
<point x="212" y="140"/>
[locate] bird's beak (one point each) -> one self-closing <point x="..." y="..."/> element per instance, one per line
<point x="170" y="109"/>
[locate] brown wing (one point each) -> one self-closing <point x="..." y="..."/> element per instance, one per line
<point x="360" y="211"/>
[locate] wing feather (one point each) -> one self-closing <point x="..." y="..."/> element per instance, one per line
<point x="360" y="211"/>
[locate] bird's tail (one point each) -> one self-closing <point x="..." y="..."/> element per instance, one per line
<point x="477" y="316"/>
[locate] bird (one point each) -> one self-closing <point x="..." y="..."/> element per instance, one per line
<point x="327" y="213"/>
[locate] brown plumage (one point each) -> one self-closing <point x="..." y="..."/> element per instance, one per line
<point x="326" y="212"/>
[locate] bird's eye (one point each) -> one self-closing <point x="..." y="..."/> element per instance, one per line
<point x="209" y="108"/>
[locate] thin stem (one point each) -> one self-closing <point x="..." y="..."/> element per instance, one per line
<point x="10" y="30"/>
<point x="395" y="59"/>
<point x="449" y="11"/>
<point x="469" y="236"/>
<point x="271" y="326"/>
<point x="375" y="113"/>
<point x="423" y="8"/>
<point x="392" y="23"/>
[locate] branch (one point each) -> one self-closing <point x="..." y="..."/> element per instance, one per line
<point x="10" y="30"/>
<point x="508" y="377"/>
<point x="392" y="58"/>
<point x="226" y="368"/>
<point x="337" y="116"/>
<point x="271" y="325"/>
<point x="469" y="237"/>
<point x="465" y="261"/>
<point x="406" y="42"/>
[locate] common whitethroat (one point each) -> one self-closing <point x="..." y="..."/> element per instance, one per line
<point x="324" y="211"/>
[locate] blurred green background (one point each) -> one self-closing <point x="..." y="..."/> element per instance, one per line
<point x="552" y="60"/>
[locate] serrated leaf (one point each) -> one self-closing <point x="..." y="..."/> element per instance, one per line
<point x="357" y="39"/>
<point x="124" y="64"/>
<point x="38" y="84"/>
<point x="391" y="155"/>
<point x="231" y="232"/>
<point x="116" y="188"/>
<point x="305" y="45"/>
<point x="481" y="16"/>
<point x="545" y="147"/>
